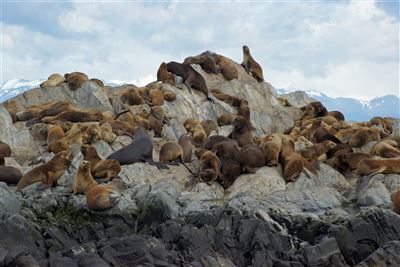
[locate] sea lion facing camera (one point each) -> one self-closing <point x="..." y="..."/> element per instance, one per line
<point x="164" y="76"/>
<point x="242" y="132"/>
<point x="139" y="150"/>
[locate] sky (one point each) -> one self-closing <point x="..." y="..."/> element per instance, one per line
<point x="340" y="48"/>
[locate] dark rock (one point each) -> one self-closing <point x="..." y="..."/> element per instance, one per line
<point x="90" y="259"/>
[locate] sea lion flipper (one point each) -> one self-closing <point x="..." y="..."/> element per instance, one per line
<point x="159" y="165"/>
<point x="42" y="186"/>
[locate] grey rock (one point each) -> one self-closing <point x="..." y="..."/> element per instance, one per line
<point x="8" y="202"/>
<point x="371" y="192"/>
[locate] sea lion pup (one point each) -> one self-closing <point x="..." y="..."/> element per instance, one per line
<point x="302" y="144"/>
<point x="90" y="133"/>
<point x="54" y="133"/>
<point x="97" y="82"/>
<point x="244" y="109"/>
<point x="191" y="77"/>
<point x="73" y="136"/>
<point x="337" y="114"/>
<point x="364" y="136"/>
<point x="340" y="148"/>
<point x="241" y="132"/>
<point x="209" y="166"/>
<point x="387" y="148"/>
<point x="292" y="162"/>
<point x="230" y="100"/>
<point x="121" y="127"/>
<point x="10" y="175"/>
<point x="251" y="66"/>
<point x="196" y="129"/>
<point x="386" y="123"/>
<point x="227" y="68"/>
<point x="185" y="141"/>
<point x="83" y="179"/>
<point x="209" y="126"/>
<point x="284" y="102"/>
<point x="169" y="95"/>
<point x="5" y="150"/>
<point x="229" y="154"/>
<point x="87" y="115"/>
<point x="75" y="79"/>
<point x="156" y="97"/>
<point x="226" y="119"/>
<point x="53" y="80"/>
<point x="322" y="134"/>
<point x="139" y="150"/>
<point x="212" y="140"/>
<point x="106" y="133"/>
<point x="372" y="166"/>
<point x="346" y="162"/>
<point x="251" y="158"/>
<point x="271" y="152"/>
<point x="172" y="152"/>
<point x="48" y="173"/>
<point x="313" y="110"/>
<point x="104" y="169"/>
<point x="395" y="197"/>
<point x="206" y="62"/>
<point x="156" y="120"/>
<point x="164" y="76"/>
<point x="132" y="97"/>
<point x="317" y="150"/>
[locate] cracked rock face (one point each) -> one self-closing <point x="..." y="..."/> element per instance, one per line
<point x="169" y="218"/>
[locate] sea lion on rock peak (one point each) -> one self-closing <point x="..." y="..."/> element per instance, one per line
<point x="75" y="79"/>
<point x="164" y="76"/>
<point x="251" y="66"/>
<point x="190" y="76"/>
<point x="139" y="150"/>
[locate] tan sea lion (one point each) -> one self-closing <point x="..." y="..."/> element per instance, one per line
<point x="53" y="80"/>
<point x="226" y="119"/>
<point x="209" y="126"/>
<point x="374" y="166"/>
<point x="75" y="79"/>
<point x="387" y="148"/>
<point x="228" y="69"/>
<point x="164" y="76"/>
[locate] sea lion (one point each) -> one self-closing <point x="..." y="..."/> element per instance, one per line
<point x="53" y="80"/>
<point x="104" y="169"/>
<point x="169" y="95"/>
<point x="33" y="111"/>
<point x="209" y="166"/>
<point x="164" y="76"/>
<point x="206" y="62"/>
<point x="171" y="152"/>
<point x="212" y="140"/>
<point x="387" y="148"/>
<point x="322" y="134"/>
<point x="75" y="79"/>
<point x="97" y="82"/>
<point x="102" y="197"/>
<point x="317" y="150"/>
<point x="139" y="150"/>
<point x="191" y="77"/>
<point x="244" y="109"/>
<point x="132" y="97"/>
<point x="209" y="126"/>
<point x="87" y="115"/>
<point x="313" y="110"/>
<point x="374" y="166"/>
<point x="190" y="123"/>
<point x="241" y="132"/>
<point x="227" y="68"/>
<point x="364" y="136"/>
<point x="54" y="133"/>
<point x="73" y="136"/>
<point x="13" y="107"/>
<point x="55" y="109"/>
<point x="106" y="133"/>
<point x="196" y="129"/>
<point x="5" y="150"/>
<point x="284" y="102"/>
<point x="251" y="158"/>
<point x="346" y="162"/>
<point x="48" y="173"/>
<point x="10" y="175"/>
<point x="156" y="120"/>
<point x="395" y="197"/>
<point x="185" y="141"/>
<point x="90" y="133"/>
<point x="337" y="114"/>
<point x="271" y="152"/>
<point x="292" y="162"/>
<point x="229" y="154"/>
<point x="251" y="66"/>
<point x="302" y="144"/>
<point x="121" y="127"/>
<point x="230" y="100"/>
<point x="157" y="97"/>
<point x="226" y="119"/>
<point x="340" y="148"/>
<point x="83" y="179"/>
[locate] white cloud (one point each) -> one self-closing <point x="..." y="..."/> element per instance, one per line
<point x="338" y="48"/>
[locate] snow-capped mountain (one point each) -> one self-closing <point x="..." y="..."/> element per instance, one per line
<point x="356" y="110"/>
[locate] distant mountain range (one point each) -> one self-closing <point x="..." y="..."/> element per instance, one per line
<point x="353" y="109"/>
<point x="356" y="110"/>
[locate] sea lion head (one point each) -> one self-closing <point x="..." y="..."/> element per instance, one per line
<point x="246" y="50"/>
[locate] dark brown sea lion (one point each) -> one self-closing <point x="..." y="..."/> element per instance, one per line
<point x="251" y="158"/>
<point x="5" y="150"/>
<point x="212" y="140"/>
<point x="251" y="66"/>
<point x="10" y="175"/>
<point x="242" y="131"/>
<point x="139" y="150"/>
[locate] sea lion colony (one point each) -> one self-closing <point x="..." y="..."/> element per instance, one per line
<point x="319" y="135"/>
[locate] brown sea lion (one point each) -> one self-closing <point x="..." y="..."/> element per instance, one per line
<point x="169" y="95"/>
<point x="191" y="77"/>
<point x="106" y="133"/>
<point x="229" y="154"/>
<point x="373" y="166"/>
<point x="185" y="141"/>
<point x="104" y="169"/>
<point x="13" y="107"/>
<point x="212" y="140"/>
<point x="132" y="97"/>
<point x="284" y="102"/>
<point x="121" y="127"/>
<point x="227" y="68"/>
<point x="387" y="148"/>
<point x="54" y="133"/>
<point x="346" y="162"/>
<point x="156" y="97"/>
<point x="230" y="100"/>
<point x="395" y="197"/>
<point x="313" y="110"/>
<point x="139" y="150"/>
<point x="75" y="79"/>
<point x="244" y="109"/>
<point x="322" y="134"/>
<point x="76" y="116"/>
<point x="251" y="66"/>
<point x="209" y="166"/>
<point x="340" y="148"/>
<point x="164" y="76"/>
<point x="97" y="82"/>
<point x="241" y="132"/>
<point x="337" y="114"/>
<point x="33" y="111"/>
<point x="9" y="174"/>
<point x="317" y="150"/>
<point x="251" y="158"/>
<point x="226" y="119"/>
<point x="53" y="80"/>
<point x="48" y="173"/>
<point x="209" y="126"/>
<point x="83" y="179"/>
<point x="206" y="62"/>
<point x="5" y="150"/>
<point x="56" y="108"/>
<point x="364" y="136"/>
<point x="271" y="152"/>
<point x="102" y="197"/>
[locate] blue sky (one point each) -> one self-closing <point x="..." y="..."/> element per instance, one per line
<point x="341" y="48"/>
